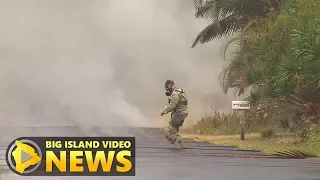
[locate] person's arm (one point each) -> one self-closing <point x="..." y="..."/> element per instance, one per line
<point x="173" y="103"/>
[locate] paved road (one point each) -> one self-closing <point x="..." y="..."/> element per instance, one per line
<point x="157" y="160"/>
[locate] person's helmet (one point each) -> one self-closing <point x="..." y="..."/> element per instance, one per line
<point x="168" y="82"/>
<point x="168" y="91"/>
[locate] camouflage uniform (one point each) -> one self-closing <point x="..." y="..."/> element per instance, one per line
<point x="178" y="107"/>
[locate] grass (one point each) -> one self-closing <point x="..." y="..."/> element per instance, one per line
<point x="254" y="142"/>
<point x="223" y="129"/>
<point x="312" y="145"/>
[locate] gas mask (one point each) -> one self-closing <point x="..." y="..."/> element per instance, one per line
<point x="168" y="92"/>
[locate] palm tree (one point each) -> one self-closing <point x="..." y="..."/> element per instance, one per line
<point x="254" y="62"/>
<point x="258" y="56"/>
<point x="292" y="73"/>
<point x="300" y="69"/>
<point x="231" y="16"/>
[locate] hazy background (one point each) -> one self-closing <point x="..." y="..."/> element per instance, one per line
<point x="102" y="62"/>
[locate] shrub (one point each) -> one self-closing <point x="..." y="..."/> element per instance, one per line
<point x="267" y="133"/>
<point x="313" y="143"/>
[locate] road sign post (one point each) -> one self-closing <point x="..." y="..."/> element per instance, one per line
<point x="241" y="106"/>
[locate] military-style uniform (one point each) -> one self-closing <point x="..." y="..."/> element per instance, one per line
<point x="179" y="111"/>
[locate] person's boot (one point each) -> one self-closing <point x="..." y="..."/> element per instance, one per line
<point x="169" y="138"/>
<point x="182" y="145"/>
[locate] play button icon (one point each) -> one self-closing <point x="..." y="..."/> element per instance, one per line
<point x="25" y="156"/>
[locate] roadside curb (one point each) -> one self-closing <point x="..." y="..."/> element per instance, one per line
<point x="237" y="156"/>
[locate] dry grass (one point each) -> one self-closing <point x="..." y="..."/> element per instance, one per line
<point x="253" y="142"/>
<point x="223" y="129"/>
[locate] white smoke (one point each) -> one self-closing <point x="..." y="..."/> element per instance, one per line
<point x="101" y="62"/>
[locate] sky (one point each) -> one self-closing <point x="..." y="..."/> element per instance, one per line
<point x="103" y="62"/>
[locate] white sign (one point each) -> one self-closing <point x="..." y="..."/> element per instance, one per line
<point x="240" y="105"/>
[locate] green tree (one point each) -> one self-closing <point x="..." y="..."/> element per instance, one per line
<point x="299" y="70"/>
<point x="257" y="59"/>
<point x="231" y="16"/>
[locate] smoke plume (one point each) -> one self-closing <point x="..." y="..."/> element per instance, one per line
<point x="102" y="62"/>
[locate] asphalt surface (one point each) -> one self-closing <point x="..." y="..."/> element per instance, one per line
<point x="157" y="160"/>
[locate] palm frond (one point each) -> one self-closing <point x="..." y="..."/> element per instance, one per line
<point x="254" y="97"/>
<point x="295" y="154"/>
<point x="198" y="3"/>
<point x="206" y="10"/>
<point x="233" y="74"/>
<point x="218" y="29"/>
<point x="229" y="41"/>
<point x="254" y="76"/>
<point x="230" y="16"/>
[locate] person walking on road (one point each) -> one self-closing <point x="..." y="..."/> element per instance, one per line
<point x="178" y="106"/>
